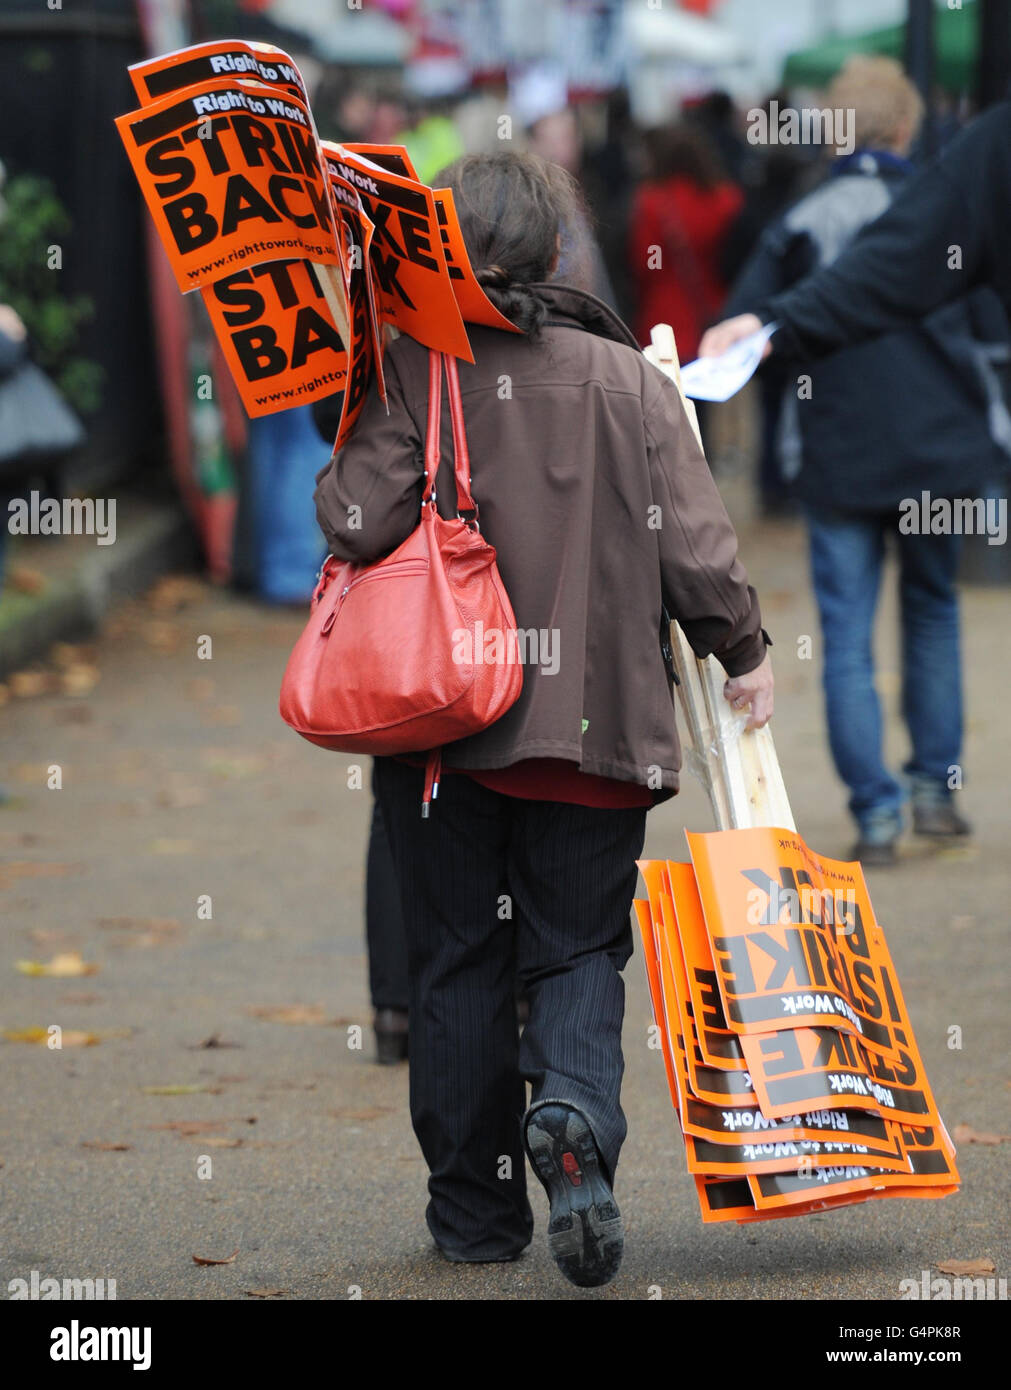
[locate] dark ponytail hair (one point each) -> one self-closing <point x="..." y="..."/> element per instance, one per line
<point x="513" y="208"/>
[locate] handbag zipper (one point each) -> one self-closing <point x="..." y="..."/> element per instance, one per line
<point x="399" y="567"/>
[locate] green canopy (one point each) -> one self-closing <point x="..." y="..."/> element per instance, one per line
<point x="956" y="46"/>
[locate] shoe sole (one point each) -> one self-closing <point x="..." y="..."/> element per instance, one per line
<point x="585" y="1233"/>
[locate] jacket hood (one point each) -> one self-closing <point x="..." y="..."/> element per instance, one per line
<point x="566" y="303"/>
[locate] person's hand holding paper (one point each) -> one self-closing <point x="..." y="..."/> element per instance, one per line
<point x="717" y="378"/>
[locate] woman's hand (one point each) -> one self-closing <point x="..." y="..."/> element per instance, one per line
<point x="723" y="335"/>
<point x="754" y="689"/>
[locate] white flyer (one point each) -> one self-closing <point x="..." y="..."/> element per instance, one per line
<point x="719" y="378"/>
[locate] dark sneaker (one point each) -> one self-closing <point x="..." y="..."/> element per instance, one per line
<point x="879" y="836"/>
<point x="939" y="820"/>
<point x="585" y="1234"/>
<point x="933" y="811"/>
<point x="875" y="853"/>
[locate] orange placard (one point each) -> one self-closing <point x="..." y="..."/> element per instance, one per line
<point x="794" y="938"/>
<point x="232" y="176"/>
<point x="655" y="993"/>
<point x="362" y="357"/>
<point x="155" y="78"/>
<point x="830" y="1067"/>
<point x="778" y="1155"/>
<point x="716" y="1087"/>
<point x="358" y="230"/>
<point x="719" y="1046"/>
<point x="475" y="306"/>
<point x="730" y="1124"/>
<point x="932" y="1173"/>
<point x="277" y="335"/>
<point x="707" y="1084"/>
<point x="393" y="158"/>
<point x="852" y="1124"/>
<point x="413" y="289"/>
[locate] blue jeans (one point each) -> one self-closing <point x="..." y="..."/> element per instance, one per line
<point x="847" y="552"/>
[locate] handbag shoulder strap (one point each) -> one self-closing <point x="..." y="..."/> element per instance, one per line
<point x="461" y="454"/>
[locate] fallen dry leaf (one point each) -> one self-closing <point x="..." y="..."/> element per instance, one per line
<point x="191" y="1127"/>
<point x="140" y="924"/>
<point x="70" y="1037"/>
<point x="290" y="1013"/>
<point x="25" y="685"/>
<point x="981" y="1266"/>
<point x="965" y="1134"/>
<point x="215" y="1040"/>
<point x="203" y="1259"/>
<point x="64" y="654"/>
<point x="174" y="591"/>
<point x="365" y="1112"/>
<point x="67" y="964"/>
<point x="220" y="1141"/>
<point x="161" y="636"/>
<point x="264" y="1293"/>
<point x="34" y="868"/>
<point x="79" y="680"/>
<point x="107" y="1148"/>
<point x="174" y="1090"/>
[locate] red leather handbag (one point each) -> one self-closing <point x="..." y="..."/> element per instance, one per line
<point x="385" y="665"/>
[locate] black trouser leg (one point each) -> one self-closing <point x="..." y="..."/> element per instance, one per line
<point x="572" y="875"/>
<point x="384" y="922"/>
<point x="467" y="1095"/>
<point x="492" y="886"/>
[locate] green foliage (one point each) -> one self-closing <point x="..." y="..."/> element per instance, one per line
<point x="34" y="222"/>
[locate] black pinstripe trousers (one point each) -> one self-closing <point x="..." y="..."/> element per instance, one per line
<point x="494" y="887"/>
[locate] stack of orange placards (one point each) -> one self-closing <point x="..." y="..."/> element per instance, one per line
<point x="789" y="1051"/>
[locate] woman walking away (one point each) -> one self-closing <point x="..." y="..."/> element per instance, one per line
<point x="599" y="503"/>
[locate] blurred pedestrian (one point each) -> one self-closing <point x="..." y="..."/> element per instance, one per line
<point x="557" y="138"/>
<point x="680" y="217"/>
<point x="527" y="865"/>
<point x="945" y="234"/>
<point x="385" y="938"/>
<point x="13" y="348"/>
<point x="877" y="424"/>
